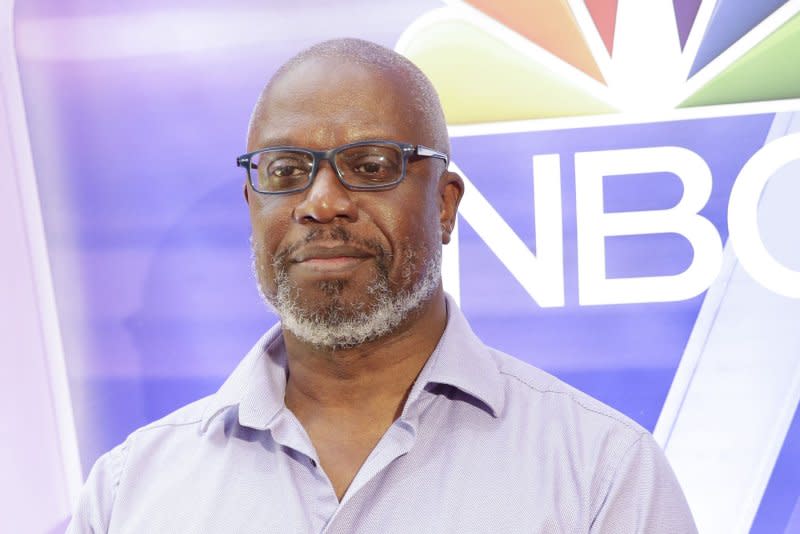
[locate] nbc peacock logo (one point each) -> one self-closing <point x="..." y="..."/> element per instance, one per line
<point x="495" y="60"/>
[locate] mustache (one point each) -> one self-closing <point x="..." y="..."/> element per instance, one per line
<point x="337" y="233"/>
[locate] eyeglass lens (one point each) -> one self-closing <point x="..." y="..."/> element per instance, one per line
<point x="364" y="166"/>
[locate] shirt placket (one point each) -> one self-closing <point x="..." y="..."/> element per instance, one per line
<point x="396" y="442"/>
<point x="318" y="494"/>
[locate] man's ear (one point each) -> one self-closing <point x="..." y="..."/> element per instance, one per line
<point x="246" y="194"/>
<point x="451" y="189"/>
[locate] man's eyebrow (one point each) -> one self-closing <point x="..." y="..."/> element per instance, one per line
<point x="268" y="142"/>
<point x="274" y="141"/>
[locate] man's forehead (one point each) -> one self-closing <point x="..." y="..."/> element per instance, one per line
<point x="334" y="93"/>
<point x="338" y="80"/>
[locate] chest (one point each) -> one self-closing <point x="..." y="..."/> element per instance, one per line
<point x="428" y="481"/>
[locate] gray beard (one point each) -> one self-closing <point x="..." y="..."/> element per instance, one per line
<point x="335" y="324"/>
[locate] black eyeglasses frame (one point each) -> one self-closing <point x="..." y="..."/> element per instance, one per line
<point x="407" y="150"/>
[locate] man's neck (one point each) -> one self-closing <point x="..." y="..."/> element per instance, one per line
<point x="371" y="379"/>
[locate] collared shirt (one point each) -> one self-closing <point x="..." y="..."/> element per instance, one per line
<point x="485" y="443"/>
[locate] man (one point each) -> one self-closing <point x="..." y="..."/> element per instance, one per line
<point x="372" y="407"/>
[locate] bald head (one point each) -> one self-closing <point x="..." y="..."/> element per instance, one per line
<point x="406" y="81"/>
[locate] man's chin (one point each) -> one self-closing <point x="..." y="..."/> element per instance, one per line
<point x="345" y="312"/>
<point x="334" y="295"/>
<point x="337" y="324"/>
<point x="338" y="300"/>
<point x="337" y="316"/>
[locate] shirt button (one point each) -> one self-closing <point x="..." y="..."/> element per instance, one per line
<point x="313" y="463"/>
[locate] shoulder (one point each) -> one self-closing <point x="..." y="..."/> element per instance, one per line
<point x="100" y="491"/>
<point x="518" y="392"/>
<point x="177" y="429"/>
<point x="580" y="433"/>
<point x="163" y="439"/>
<point x="178" y="426"/>
<point x="628" y="479"/>
<point x="530" y="389"/>
<point x="188" y="415"/>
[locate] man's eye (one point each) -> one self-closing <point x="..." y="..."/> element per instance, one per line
<point x="370" y="167"/>
<point x="284" y="168"/>
<point x="373" y="168"/>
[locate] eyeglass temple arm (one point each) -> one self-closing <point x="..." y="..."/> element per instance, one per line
<point x="429" y="152"/>
<point x="245" y="161"/>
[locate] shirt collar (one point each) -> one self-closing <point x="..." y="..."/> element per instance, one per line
<point x="258" y="384"/>
<point x="462" y="360"/>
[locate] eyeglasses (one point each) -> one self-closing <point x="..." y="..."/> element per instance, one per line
<point x="362" y="166"/>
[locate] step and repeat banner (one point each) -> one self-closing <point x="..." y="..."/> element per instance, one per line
<point x="629" y="224"/>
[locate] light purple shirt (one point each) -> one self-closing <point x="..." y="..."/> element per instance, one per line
<point x="485" y="443"/>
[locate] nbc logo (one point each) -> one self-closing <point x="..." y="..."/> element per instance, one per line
<point x="631" y="171"/>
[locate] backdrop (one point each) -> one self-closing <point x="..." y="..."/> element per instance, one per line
<point x="629" y="223"/>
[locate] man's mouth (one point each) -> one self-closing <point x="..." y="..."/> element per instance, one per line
<point x="324" y="258"/>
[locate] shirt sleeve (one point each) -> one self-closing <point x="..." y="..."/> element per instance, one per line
<point x="643" y="495"/>
<point x="93" y="512"/>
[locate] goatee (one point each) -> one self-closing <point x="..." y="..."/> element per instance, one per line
<point x="335" y="323"/>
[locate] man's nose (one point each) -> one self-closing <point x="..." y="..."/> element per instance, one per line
<point x="326" y="199"/>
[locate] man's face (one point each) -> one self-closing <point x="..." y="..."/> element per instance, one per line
<point x="346" y="262"/>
